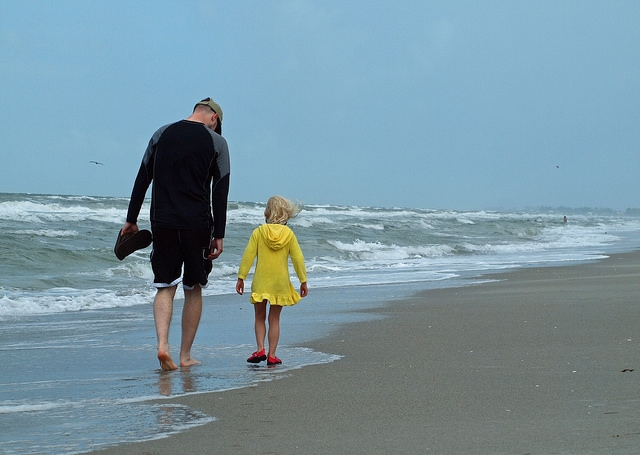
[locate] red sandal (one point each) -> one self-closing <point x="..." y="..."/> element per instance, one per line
<point x="257" y="357"/>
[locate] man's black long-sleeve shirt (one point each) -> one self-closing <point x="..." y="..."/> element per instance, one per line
<point x="189" y="166"/>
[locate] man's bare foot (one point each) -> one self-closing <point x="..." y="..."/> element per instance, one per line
<point x="188" y="362"/>
<point x="166" y="362"/>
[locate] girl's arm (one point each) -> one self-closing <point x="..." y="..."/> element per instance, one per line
<point x="297" y="259"/>
<point x="240" y="286"/>
<point x="248" y="256"/>
<point x="298" y="264"/>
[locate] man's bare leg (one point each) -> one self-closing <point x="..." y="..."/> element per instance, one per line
<point x="162" y="311"/>
<point x="191" y="313"/>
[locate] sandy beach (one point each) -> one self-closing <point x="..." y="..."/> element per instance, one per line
<point x="539" y="361"/>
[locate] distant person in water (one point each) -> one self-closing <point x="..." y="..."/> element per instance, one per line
<point x="564" y="220"/>
<point x="272" y="243"/>
<point x="188" y="163"/>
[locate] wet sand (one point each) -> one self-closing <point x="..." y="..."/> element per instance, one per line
<point x="542" y="361"/>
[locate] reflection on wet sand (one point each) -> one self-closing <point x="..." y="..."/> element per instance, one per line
<point x="184" y="378"/>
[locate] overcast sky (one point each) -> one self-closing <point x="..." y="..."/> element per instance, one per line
<point x="425" y="104"/>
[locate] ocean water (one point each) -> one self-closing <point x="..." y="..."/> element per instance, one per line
<point x="76" y="327"/>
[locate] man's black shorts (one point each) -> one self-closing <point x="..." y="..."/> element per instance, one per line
<point x="173" y="248"/>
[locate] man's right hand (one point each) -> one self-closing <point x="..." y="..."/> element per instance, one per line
<point x="129" y="228"/>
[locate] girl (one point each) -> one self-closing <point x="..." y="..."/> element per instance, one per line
<point x="272" y="243"/>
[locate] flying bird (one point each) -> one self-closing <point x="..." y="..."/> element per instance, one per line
<point x="97" y="162"/>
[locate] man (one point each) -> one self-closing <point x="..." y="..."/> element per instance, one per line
<point x="188" y="162"/>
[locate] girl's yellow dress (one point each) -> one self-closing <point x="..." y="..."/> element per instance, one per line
<point x="273" y="244"/>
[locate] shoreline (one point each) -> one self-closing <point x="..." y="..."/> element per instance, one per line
<point x="538" y="361"/>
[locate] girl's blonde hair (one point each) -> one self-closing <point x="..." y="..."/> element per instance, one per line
<point x="279" y="210"/>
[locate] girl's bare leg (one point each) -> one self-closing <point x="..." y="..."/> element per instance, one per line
<point x="274" y="328"/>
<point x="259" y="325"/>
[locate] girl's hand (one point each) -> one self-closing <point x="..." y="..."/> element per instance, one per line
<point x="240" y="286"/>
<point x="304" y="290"/>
